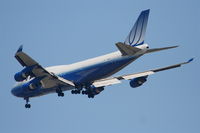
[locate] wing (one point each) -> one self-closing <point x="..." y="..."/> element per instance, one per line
<point x="48" y="79"/>
<point x="116" y="80"/>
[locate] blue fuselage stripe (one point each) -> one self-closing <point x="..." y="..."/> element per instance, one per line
<point x="97" y="71"/>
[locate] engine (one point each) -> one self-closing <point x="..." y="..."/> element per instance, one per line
<point x="20" y="76"/>
<point x="136" y="82"/>
<point x="34" y="84"/>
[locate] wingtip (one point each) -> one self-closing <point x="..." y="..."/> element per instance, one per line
<point x="146" y="11"/>
<point x="175" y="46"/>
<point x="190" y="60"/>
<point x="20" y="48"/>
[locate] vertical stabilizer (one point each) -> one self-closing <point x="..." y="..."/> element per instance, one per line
<point x="137" y="33"/>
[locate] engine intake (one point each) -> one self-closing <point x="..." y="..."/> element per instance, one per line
<point x="21" y="76"/>
<point x="34" y="84"/>
<point x="136" y="82"/>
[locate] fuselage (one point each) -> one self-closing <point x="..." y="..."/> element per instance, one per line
<point x="81" y="73"/>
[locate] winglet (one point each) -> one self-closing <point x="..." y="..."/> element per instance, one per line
<point x="190" y="60"/>
<point x="20" y="48"/>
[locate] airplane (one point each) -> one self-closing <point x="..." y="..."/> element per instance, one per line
<point x="89" y="77"/>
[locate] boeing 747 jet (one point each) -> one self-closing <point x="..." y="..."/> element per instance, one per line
<point x="89" y="77"/>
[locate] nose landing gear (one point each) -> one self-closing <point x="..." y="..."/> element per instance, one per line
<point x="27" y="105"/>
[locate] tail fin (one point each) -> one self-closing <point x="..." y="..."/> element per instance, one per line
<point x="137" y="33"/>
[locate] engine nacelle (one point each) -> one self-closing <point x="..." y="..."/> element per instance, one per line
<point x="33" y="85"/>
<point x="136" y="82"/>
<point x="20" y="76"/>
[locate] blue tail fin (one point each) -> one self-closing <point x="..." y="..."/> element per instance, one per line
<point x="137" y="33"/>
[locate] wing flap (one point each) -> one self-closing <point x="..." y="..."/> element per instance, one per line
<point x="131" y="76"/>
<point x="65" y="82"/>
<point x="106" y="82"/>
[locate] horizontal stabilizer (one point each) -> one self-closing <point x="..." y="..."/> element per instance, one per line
<point x="159" y="49"/>
<point x="126" y="49"/>
<point x="190" y="60"/>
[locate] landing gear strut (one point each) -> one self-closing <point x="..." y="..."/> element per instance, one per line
<point x="27" y="105"/>
<point x="59" y="92"/>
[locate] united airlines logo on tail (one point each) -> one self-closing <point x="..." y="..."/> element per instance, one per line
<point x="137" y="33"/>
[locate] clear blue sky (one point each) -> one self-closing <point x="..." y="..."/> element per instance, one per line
<point x="66" y="31"/>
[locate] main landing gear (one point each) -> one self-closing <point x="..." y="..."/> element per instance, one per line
<point x="86" y="92"/>
<point x="76" y="91"/>
<point x="27" y="105"/>
<point x="59" y="92"/>
<point x="89" y="93"/>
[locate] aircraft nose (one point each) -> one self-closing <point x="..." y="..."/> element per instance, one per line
<point x="16" y="92"/>
<point x="13" y="91"/>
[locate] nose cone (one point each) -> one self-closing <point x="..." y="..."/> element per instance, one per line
<point x="13" y="91"/>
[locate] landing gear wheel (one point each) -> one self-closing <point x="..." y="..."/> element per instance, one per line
<point x="59" y="92"/>
<point x="62" y="94"/>
<point x="90" y="96"/>
<point x="76" y="91"/>
<point x="27" y="106"/>
<point x="83" y="92"/>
